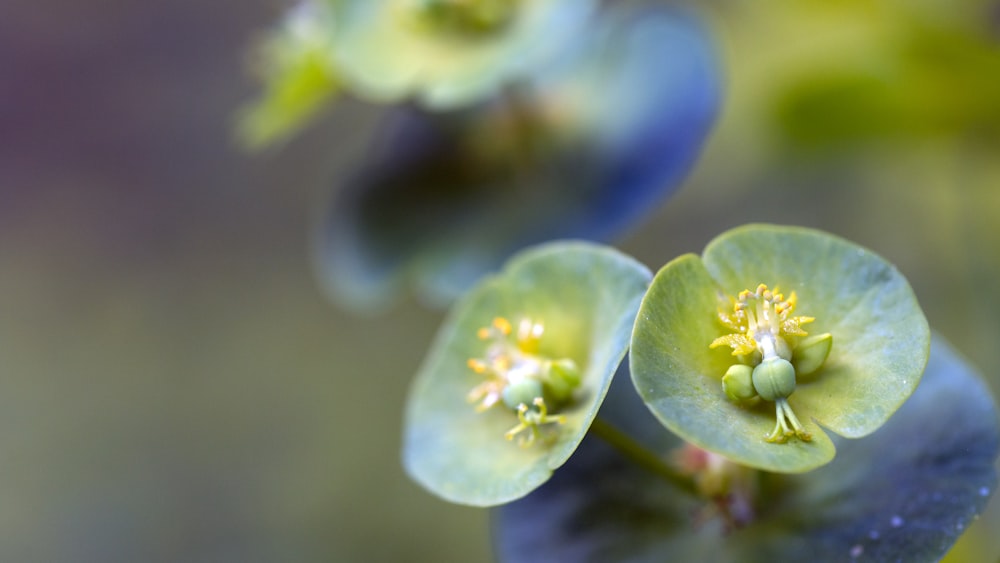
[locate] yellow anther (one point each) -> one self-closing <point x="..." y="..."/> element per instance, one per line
<point x="503" y="325"/>
<point x="528" y="330"/>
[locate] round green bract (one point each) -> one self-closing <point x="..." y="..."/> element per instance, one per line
<point x="387" y="60"/>
<point x="586" y="296"/>
<point x="880" y="343"/>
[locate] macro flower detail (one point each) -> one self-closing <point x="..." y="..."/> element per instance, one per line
<point x="708" y="322"/>
<point x="527" y="355"/>
<point x="524" y="381"/>
<point x="901" y="494"/>
<point x="765" y="341"/>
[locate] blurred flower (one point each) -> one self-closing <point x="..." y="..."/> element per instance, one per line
<point x="450" y="53"/>
<point x="440" y="53"/>
<point x="583" y="150"/>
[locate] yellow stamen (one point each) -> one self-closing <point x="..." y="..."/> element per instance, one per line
<point x="503" y="325"/>
<point x="763" y="332"/>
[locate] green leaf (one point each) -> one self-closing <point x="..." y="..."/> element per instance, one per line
<point x="880" y="343"/>
<point x="904" y="493"/>
<point x="586" y="297"/>
<point x="386" y="56"/>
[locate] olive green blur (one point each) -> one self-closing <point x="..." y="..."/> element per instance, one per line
<point x="173" y="387"/>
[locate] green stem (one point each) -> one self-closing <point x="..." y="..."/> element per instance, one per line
<point x="638" y="454"/>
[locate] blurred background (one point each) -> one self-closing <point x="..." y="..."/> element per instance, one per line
<point x="173" y="385"/>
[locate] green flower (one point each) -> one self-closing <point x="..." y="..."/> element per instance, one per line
<point x="581" y="152"/>
<point x="450" y="53"/>
<point x="709" y="364"/>
<point x="904" y="493"/>
<point x="519" y="370"/>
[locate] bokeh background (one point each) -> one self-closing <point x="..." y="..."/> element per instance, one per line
<point x="173" y="385"/>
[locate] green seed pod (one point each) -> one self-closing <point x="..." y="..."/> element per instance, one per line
<point x="774" y="379"/>
<point x="811" y="353"/>
<point x="523" y="391"/>
<point x="738" y="383"/>
<point x="562" y="378"/>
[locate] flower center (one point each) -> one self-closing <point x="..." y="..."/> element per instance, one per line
<point x="461" y="18"/>
<point x="524" y="381"/>
<point x="767" y="342"/>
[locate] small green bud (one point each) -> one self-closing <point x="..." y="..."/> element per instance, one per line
<point x="563" y="378"/>
<point x="750" y="359"/>
<point x="522" y="392"/>
<point x="811" y="353"/>
<point x="774" y="379"/>
<point x="738" y="383"/>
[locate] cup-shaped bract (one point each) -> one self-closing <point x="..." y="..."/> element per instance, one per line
<point x="880" y="341"/>
<point x="579" y="301"/>
<point x="904" y="493"/>
<point x="584" y="151"/>
<point x="391" y="50"/>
